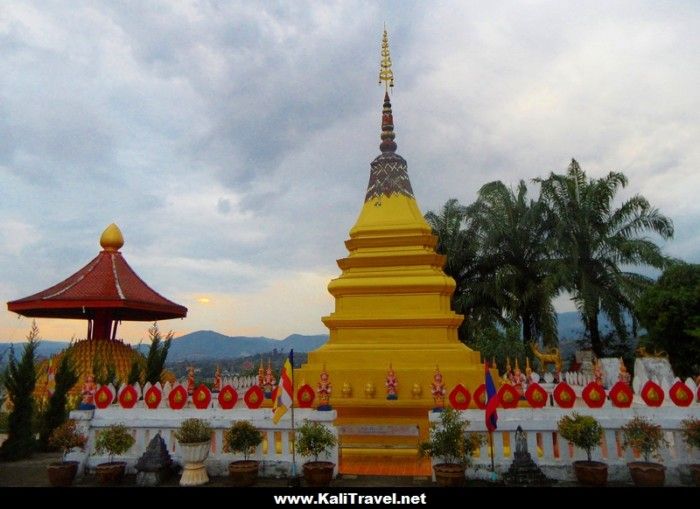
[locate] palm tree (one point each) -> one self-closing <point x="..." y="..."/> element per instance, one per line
<point x="458" y="240"/>
<point x="514" y="235"/>
<point x="593" y="241"/>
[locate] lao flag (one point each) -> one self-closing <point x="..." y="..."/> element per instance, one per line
<point x="491" y="400"/>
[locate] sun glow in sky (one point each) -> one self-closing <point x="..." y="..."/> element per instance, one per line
<point x="231" y="141"/>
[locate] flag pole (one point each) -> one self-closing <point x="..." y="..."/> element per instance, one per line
<point x="493" y="468"/>
<point x="294" y="435"/>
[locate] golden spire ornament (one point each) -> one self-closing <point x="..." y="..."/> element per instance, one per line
<point x="385" y="73"/>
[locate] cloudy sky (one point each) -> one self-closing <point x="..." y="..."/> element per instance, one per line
<point x="231" y="141"/>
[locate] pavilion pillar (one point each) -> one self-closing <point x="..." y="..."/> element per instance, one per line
<point x="102" y="324"/>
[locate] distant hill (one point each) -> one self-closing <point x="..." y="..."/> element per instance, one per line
<point x="197" y="345"/>
<point x="44" y="350"/>
<point x="213" y="345"/>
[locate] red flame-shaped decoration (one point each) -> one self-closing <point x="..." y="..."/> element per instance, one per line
<point x="564" y="395"/>
<point x="480" y="396"/>
<point x="305" y="396"/>
<point x="128" y="397"/>
<point x="254" y="397"/>
<point x="177" y="397"/>
<point x="508" y="396"/>
<point x="153" y="397"/>
<point x="621" y="395"/>
<point x="227" y="397"/>
<point x="594" y="395"/>
<point x="680" y="394"/>
<point x="652" y="394"/>
<point x="536" y="395"/>
<point x="459" y="397"/>
<point x="201" y="397"/>
<point x="103" y="397"/>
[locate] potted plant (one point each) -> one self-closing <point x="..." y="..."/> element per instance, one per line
<point x="194" y="436"/>
<point x="585" y="433"/>
<point x="452" y="445"/>
<point x="65" y="437"/>
<point x="114" y="440"/>
<point x="313" y="440"/>
<point x="242" y="437"/>
<point x="647" y="438"/>
<point x="690" y="428"/>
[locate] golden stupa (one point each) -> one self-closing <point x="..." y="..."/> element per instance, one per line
<point x="392" y="306"/>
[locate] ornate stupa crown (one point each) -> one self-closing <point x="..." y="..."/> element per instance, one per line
<point x="389" y="173"/>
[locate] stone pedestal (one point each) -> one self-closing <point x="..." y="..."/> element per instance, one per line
<point x="155" y="465"/>
<point x="524" y="471"/>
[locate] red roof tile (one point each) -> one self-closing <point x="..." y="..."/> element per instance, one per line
<point x="107" y="282"/>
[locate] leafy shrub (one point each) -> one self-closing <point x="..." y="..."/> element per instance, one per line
<point x="114" y="440"/>
<point x="314" y="439"/>
<point x="241" y="437"/>
<point x="691" y="432"/>
<point x="643" y="435"/>
<point x="67" y="437"/>
<point x="450" y="441"/>
<point x="581" y="430"/>
<point x="193" y="431"/>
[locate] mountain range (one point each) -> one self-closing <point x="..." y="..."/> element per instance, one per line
<point x="213" y="345"/>
<point x="200" y="345"/>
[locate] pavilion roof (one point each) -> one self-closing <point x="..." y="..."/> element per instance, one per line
<point x="106" y="283"/>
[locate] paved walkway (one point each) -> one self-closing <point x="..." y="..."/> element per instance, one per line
<point x="32" y="472"/>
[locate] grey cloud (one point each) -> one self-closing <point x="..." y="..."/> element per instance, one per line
<point x="223" y="131"/>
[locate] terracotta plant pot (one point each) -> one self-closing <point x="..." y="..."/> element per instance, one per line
<point x="695" y="473"/>
<point x="318" y="473"/>
<point x="243" y="473"/>
<point x="110" y="473"/>
<point x="449" y="474"/>
<point x="591" y="473"/>
<point x="193" y="455"/>
<point x="63" y="473"/>
<point x="647" y="474"/>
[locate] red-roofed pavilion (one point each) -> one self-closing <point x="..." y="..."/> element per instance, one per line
<point x="104" y="292"/>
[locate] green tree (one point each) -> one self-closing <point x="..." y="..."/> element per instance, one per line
<point x="670" y="312"/>
<point x="514" y="237"/>
<point x="157" y="353"/>
<point x="594" y="241"/>
<point x="57" y="411"/>
<point x="20" y="380"/>
<point x="502" y="346"/>
<point x="134" y="373"/>
<point x="458" y="241"/>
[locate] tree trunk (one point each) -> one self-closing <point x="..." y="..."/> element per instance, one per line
<point x="596" y="342"/>
<point x="527" y="328"/>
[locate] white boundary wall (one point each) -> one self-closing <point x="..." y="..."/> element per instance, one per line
<point x="275" y="453"/>
<point x="554" y="455"/>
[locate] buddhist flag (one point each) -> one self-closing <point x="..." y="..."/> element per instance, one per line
<point x="491" y="400"/>
<point x="284" y="399"/>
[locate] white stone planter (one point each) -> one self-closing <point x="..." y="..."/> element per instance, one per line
<point x="193" y="455"/>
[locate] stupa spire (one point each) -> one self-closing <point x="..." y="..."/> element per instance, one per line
<point x="386" y="74"/>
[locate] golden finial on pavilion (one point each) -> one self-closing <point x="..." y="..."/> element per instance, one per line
<point x="112" y="239"/>
<point x="385" y="73"/>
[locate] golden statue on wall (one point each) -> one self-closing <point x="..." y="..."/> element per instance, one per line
<point x="552" y="356"/>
